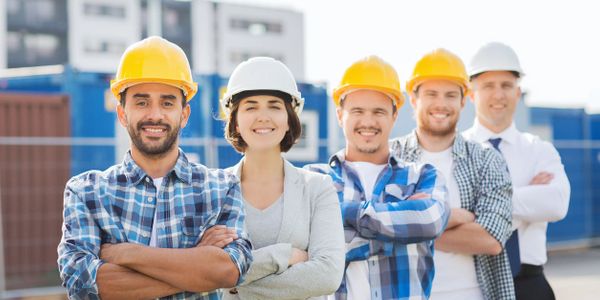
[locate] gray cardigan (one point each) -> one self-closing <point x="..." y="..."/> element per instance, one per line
<point x="312" y="222"/>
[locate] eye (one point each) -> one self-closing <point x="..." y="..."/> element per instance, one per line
<point x="141" y="103"/>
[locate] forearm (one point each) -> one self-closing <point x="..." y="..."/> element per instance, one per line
<point x="117" y="282"/>
<point x="540" y="203"/>
<point x="198" y="269"/>
<point x="409" y="221"/>
<point x="322" y="275"/>
<point x="469" y="239"/>
<point x="272" y="259"/>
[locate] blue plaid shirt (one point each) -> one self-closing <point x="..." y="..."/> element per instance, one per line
<point x="394" y="234"/>
<point x="120" y="204"/>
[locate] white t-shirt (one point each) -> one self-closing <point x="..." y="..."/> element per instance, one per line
<point x="153" y="235"/>
<point x="455" y="276"/>
<point x="357" y="273"/>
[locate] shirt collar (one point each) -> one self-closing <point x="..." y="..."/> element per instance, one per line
<point x="482" y="134"/>
<point x="339" y="159"/>
<point x="135" y="174"/>
<point x="458" y="147"/>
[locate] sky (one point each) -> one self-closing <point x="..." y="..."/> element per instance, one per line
<point x="558" y="42"/>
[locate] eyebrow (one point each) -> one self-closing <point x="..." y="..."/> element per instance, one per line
<point x="272" y="101"/>
<point x="166" y="96"/>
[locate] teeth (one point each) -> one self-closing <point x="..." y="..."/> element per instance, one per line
<point x="263" y="131"/>
<point x="439" y="116"/>
<point x="498" y="106"/>
<point x="367" y="133"/>
<point x="154" y="130"/>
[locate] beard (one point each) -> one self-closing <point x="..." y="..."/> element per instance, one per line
<point x="437" y="131"/>
<point x="368" y="149"/>
<point x="147" y="148"/>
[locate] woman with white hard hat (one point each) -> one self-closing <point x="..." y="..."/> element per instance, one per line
<point x="292" y="215"/>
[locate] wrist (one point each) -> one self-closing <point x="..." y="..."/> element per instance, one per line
<point x="127" y="254"/>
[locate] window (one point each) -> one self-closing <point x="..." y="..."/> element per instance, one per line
<point x="102" y="46"/>
<point x="255" y="27"/>
<point x="33" y="49"/>
<point x="237" y="57"/>
<point x="104" y="10"/>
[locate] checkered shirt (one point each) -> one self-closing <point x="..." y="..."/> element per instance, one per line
<point x="485" y="189"/>
<point x="120" y="204"/>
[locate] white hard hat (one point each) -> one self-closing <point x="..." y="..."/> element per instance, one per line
<point x="262" y="73"/>
<point x="495" y="56"/>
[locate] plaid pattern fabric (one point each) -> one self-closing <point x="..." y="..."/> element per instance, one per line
<point x="120" y="204"/>
<point x="393" y="234"/>
<point x="485" y="189"/>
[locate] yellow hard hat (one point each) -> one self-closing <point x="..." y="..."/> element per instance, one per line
<point x="439" y="64"/>
<point x="372" y="73"/>
<point x="154" y="60"/>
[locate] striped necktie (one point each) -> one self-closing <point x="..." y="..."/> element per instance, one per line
<point x="512" y="244"/>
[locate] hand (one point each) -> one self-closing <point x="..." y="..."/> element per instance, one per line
<point x="218" y="236"/>
<point x="418" y="196"/>
<point x="460" y="216"/>
<point x="542" y="178"/>
<point x="298" y="256"/>
<point x="113" y="253"/>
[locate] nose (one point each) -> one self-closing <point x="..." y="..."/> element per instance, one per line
<point x="263" y="116"/>
<point x="498" y="94"/>
<point x="155" y="112"/>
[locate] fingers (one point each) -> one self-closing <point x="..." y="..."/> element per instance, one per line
<point x="298" y="256"/>
<point x="218" y="236"/>
<point x="418" y="196"/>
<point x="542" y="178"/>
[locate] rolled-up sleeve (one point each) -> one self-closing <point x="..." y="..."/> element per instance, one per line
<point x="78" y="250"/>
<point x="233" y="216"/>
<point x="493" y="209"/>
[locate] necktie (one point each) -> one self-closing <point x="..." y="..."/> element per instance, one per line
<point x="512" y="244"/>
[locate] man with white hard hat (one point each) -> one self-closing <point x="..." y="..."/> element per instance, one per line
<point x="541" y="187"/>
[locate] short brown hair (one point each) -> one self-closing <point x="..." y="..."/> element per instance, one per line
<point x="236" y="140"/>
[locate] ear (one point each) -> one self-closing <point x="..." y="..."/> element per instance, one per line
<point x="185" y="116"/>
<point x="121" y="115"/>
<point x="340" y="112"/>
<point x="413" y="100"/>
<point x="463" y="101"/>
<point x="519" y="92"/>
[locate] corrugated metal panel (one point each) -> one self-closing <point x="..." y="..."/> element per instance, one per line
<point x="594" y="134"/>
<point x="32" y="179"/>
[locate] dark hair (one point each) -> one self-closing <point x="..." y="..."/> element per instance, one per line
<point x="123" y="94"/>
<point x="512" y="72"/>
<point x="235" y="138"/>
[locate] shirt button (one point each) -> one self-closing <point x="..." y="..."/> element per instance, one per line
<point x="150" y="199"/>
<point x="147" y="179"/>
<point x="233" y="291"/>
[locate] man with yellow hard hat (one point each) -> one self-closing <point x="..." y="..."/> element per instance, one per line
<point x="391" y="210"/>
<point x="134" y="230"/>
<point x="470" y="262"/>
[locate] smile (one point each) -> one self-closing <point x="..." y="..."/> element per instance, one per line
<point x="367" y="132"/>
<point x="263" y="130"/>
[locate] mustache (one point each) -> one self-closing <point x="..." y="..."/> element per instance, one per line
<point x="150" y="123"/>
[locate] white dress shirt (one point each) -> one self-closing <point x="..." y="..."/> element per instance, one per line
<point x="533" y="205"/>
